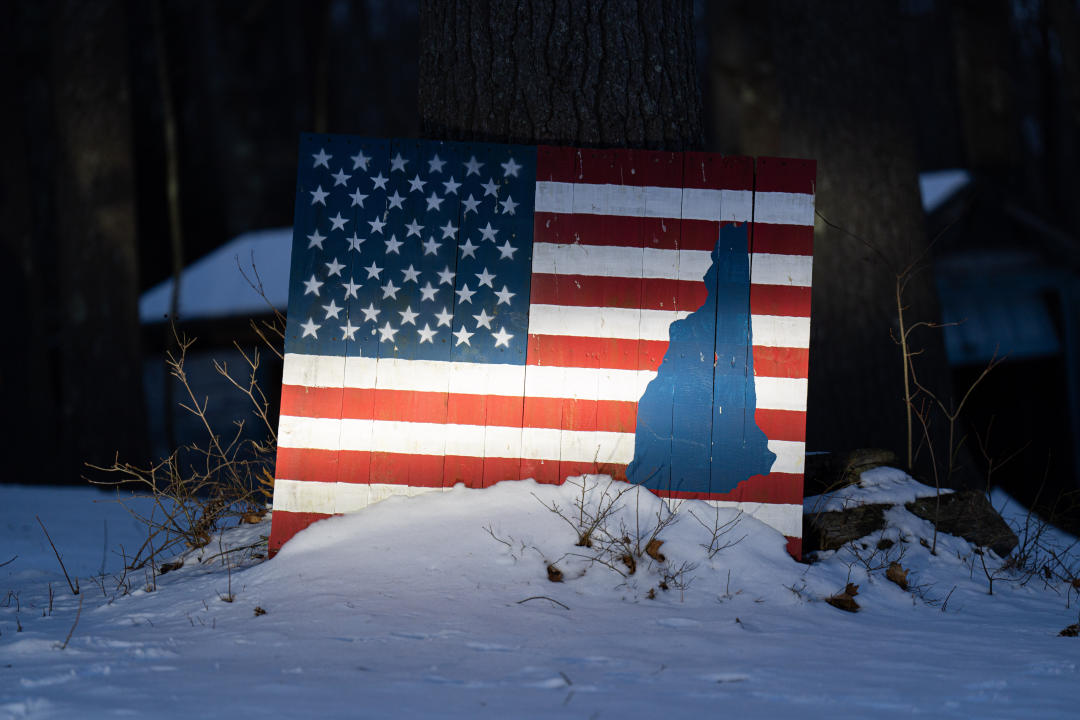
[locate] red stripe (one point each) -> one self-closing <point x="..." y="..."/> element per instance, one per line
<point x="588" y="352"/>
<point x="463" y="409"/>
<point x="778" y="488"/>
<point x="784" y="239"/>
<point x="780" y="300"/>
<point x="713" y="171"/>
<point x="782" y="424"/>
<point x="786" y="175"/>
<point x="616" y="292"/>
<point x="625" y="231"/>
<point x="780" y="362"/>
<point x="556" y="164"/>
<point x="286" y="524"/>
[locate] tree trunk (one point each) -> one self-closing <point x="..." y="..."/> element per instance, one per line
<point x="824" y="80"/>
<point x="94" y="269"/>
<point x="560" y="72"/>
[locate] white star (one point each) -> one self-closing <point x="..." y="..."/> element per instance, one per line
<point x="431" y="247"/>
<point x="355" y="242"/>
<point x="373" y="270"/>
<point x="504" y="296"/>
<point x="463" y="336"/>
<point x="434" y="202"/>
<point x="341" y="178"/>
<point x="416" y="184"/>
<point x="318" y="195"/>
<point x="371" y="312"/>
<point x="338" y="222"/>
<point x="408" y="317"/>
<point x="488" y="232"/>
<point x="380" y="182"/>
<point x="360" y="161"/>
<point x="414" y="228"/>
<point x="376" y="225"/>
<point x="502" y="337"/>
<point x="395" y="200"/>
<point x="435" y="164"/>
<point x="348" y="330"/>
<point x="350" y="288"/>
<point x="310" y="328"/>
<point x="397" y="163"/>
<point x="387" y="333"/>
<point x="389" y="290"/>
<point x="448" y="230"/>
<point x="426" y="333"/>
<point x="311" y="287"/>
<point x="485" y="279"/>
<point x="465" y="294"/>
<point x="321" y="158"/>
<point x="411" y="274"/>
<point x="470" y="205"/>
<point x="490" y="188"/>
<point x="483" y="320"/>
<point x="315" y="240"/>
<point x="468" y="249"/>
<point x="358" y="198"/>
<point x="446" y="276"/>
<point x="506" y="250"/>
<point x="332" y="310"/>
<point x="333" y="268"/>
<point x="510" y="168"/>
<point x="393" y="244"/>
<point x="428" y="292"/>
<point x="509" y="205"/>
<point x="444" y="318"/>
<point x="473" y="167"/>
<point x="450" y="186"/>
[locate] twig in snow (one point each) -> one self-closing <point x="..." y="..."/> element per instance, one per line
<point x="73" y="625"/>
<point x="75" y="587"/>
<point x="543" y="597"/>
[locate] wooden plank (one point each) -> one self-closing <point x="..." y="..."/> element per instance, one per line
<point x="554" y="228"/>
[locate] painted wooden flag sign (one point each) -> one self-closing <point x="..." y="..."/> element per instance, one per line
<point x="472" y="313"/>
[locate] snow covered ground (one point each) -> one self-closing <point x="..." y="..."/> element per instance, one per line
<point x="441" y="606"/>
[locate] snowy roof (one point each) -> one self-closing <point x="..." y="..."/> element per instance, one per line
<point x="213" y="286"/>
<point x="938" y="186"/>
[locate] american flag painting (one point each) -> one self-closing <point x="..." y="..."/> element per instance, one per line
<point x="473" y="313"/>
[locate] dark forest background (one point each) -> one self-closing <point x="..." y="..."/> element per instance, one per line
<point x="877" y="92"/>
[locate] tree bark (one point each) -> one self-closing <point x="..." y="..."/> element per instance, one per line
<point x="94" y="270"/>
<point x="560" y="72"/>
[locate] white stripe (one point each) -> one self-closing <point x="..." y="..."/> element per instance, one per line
<point x="635" y="263"/>
<point x="790" y="456"/>
<point x="780" y="331"/>
<point x="603" y="384"/>
<point x="774" y="208"/>
<point x="775" y="393"/>
<point x="601" y="322"/>
<point x="435" y="376"/>
<point x="332" y="497"/>
<point x="785" y="518"/>
<point x="545" y="381"/>
<point x="466" y="440"/>
<point x="770" y="269"/>
<point x="411" y="438"/>
<point x="628" y="324"/>
<point x="780" y="208"/>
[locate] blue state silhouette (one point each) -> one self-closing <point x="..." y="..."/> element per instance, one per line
<point x="696" y="430"/>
